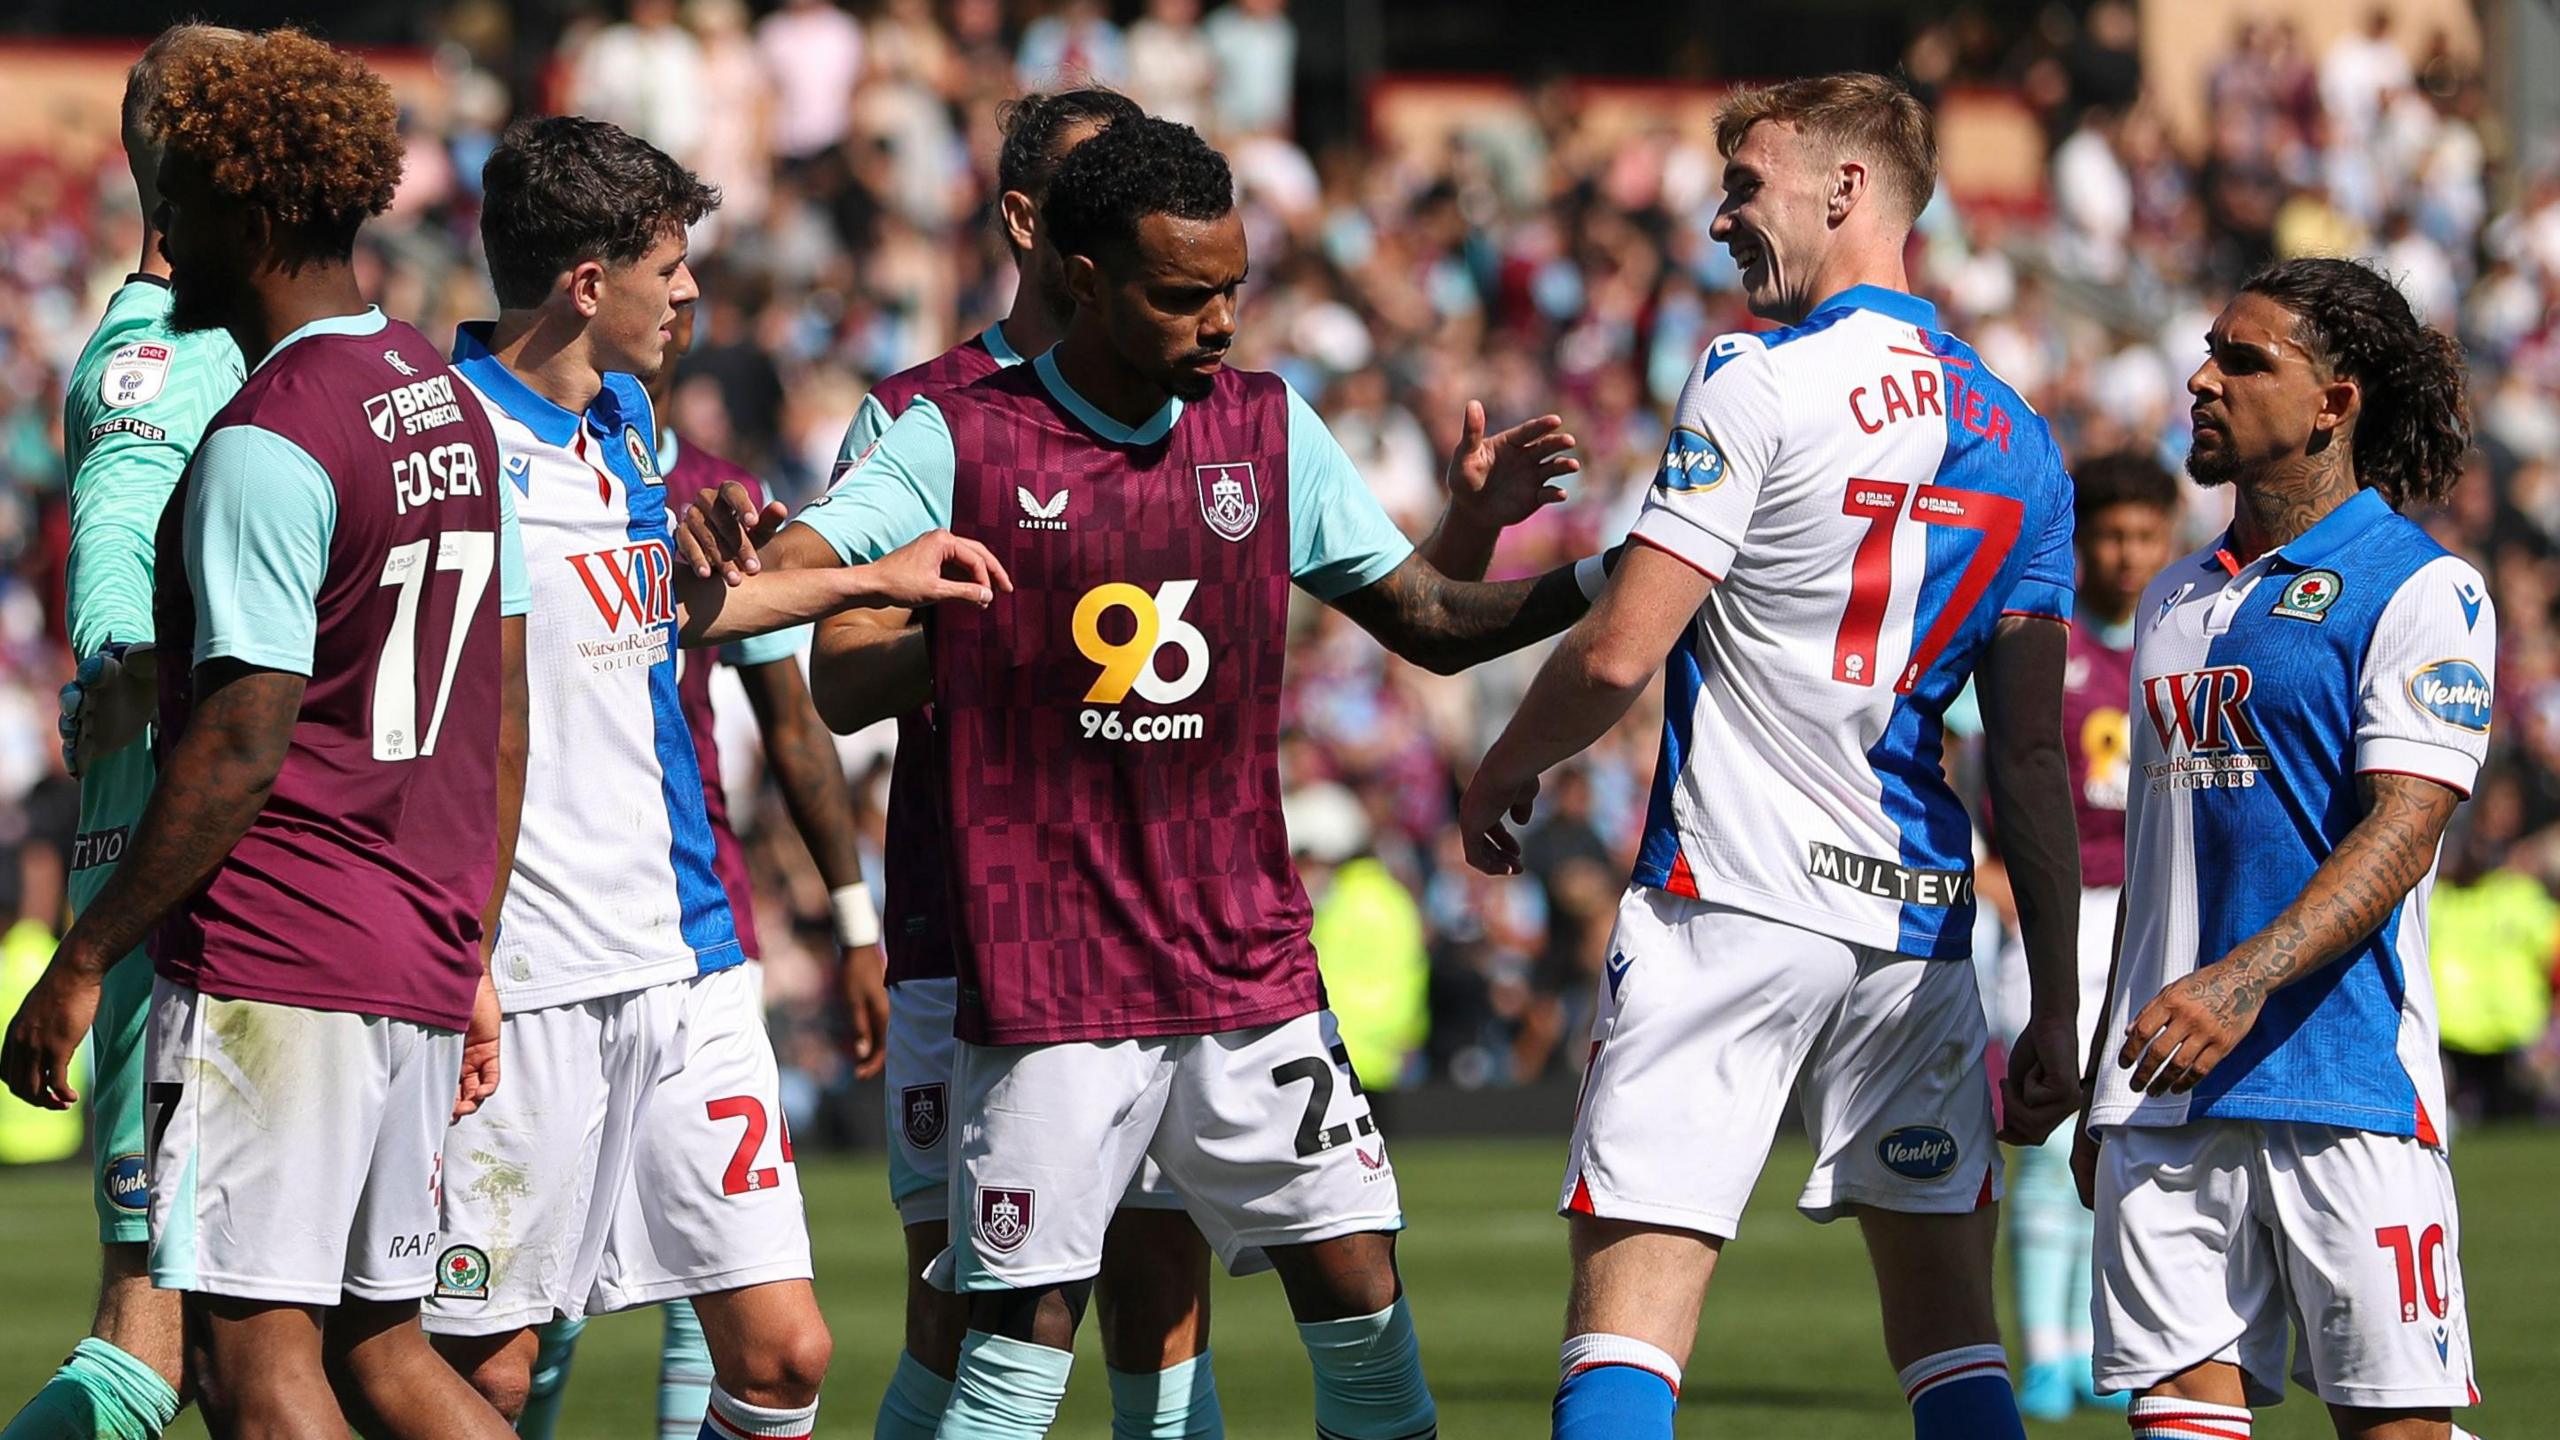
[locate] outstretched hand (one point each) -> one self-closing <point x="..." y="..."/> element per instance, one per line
<point x="1504" y="478"/>
<point x="722" y="530"/>
<point x="939" y="566"/>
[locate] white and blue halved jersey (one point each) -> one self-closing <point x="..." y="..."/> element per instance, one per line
<point x="1870" y="500"/>
<point x="2262" y="695"/>
<point x="615" y="886"/>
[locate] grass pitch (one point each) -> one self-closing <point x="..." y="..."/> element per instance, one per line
<point x="1790" y="1346"/>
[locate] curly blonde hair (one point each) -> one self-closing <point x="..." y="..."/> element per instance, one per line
<point x="285" y="123"/>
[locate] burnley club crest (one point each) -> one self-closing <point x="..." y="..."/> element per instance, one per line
<point x="922" y="1107"/>
<point x="1004" y="1218"/>
<point x="1229" y="500"/>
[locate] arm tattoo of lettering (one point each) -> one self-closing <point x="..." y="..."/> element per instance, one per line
<point x="2351" y="894"/>
<point x="216" y="781"/>
<point x="1446" y="625"/>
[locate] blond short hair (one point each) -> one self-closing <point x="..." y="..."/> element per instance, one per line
<point x="1851" y="112"/>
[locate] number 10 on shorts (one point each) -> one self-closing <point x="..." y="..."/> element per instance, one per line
<point x="2418" y="1263"/>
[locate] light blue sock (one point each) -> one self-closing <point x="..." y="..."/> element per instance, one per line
<point x="1615" y="1387"/>
<point x="2048" y="1242"/>
<point x="1369" y="1382"/>
<point x="684" y="1373"/>
<point x="550" y="1378"/>
<point x="1007" y="1390"/>
<point x="1178" y="1402"/>
<point x="914" y="1404"/>
<point x="100" y="1393"/>
<point x="1963" y="1394"/>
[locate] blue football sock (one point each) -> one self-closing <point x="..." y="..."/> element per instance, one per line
<point x="100" y="1393"/>
<point x="1179" y="1402"/>
<point x="684" y="1373"/>
<point x="1963" y="1394"/>
<point x="1615" y="1387"/>
<point x="914" y="1403"/>
<point x="1007" y="1389"/>
<point x="1369" y="1382"/>
<point x="551" y="1363"/>
<point x="2048" y="1249"/>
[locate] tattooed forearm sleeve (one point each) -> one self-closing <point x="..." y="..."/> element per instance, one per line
<point x="1446" y="625"/>
<point x="2351" y="893"/>
<point x="216" y="780"/>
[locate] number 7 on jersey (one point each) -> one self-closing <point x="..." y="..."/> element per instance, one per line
<point x="1997" y="518"/>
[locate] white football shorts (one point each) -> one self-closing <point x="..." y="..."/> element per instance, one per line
<point x="1263" y="1133"/>
<point x="1710" y="1016"/>
<point x="917" y="1098"/>
<point x="635" y="1152"/>
<point x="2224" y="1239"/>
<point x="293" y="1152"/>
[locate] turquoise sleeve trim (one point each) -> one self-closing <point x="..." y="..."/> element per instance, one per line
<point x="871" y="420"/>
<point x="515" y="582"/>
<point x="901" y="492"/>
<point x="260" y="514"/>
<point x="766" y="648"/>
<point x="1340" y="538"/>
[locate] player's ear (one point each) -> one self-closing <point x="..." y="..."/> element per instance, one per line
<point x="585" y="287"/>
<point x="1084" y="279"/>
<point x="1848" y="186"/>
<point x="2341" y="401"/>
<point x="1020" y="215"/>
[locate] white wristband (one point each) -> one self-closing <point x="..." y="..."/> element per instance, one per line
<point x="1591" y="573"/>
<point x="857" y="920"/>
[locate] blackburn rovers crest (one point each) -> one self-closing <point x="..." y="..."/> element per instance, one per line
<point x="921" y="1108"/>
<point x="1229" y="500"/>
<point x="1004" y="1218"/>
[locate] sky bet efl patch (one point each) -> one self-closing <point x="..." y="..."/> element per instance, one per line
<point x="1691" y="465"/>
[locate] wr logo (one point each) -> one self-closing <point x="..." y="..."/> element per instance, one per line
<point x="2202" y="710"/>
<point x="633" y="582"/>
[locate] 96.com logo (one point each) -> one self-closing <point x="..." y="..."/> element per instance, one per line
<point x="1154" y="625"/>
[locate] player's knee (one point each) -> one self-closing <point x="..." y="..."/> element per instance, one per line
<point x="782" y="1370"/>
<point x="502" y="1373"/>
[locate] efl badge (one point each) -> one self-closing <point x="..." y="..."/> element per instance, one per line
<point x="641" y="460"/>
<point x="921" y="1105"/>
<point x="1229" y="500"/>
<point x="2309" y="596"/>
<point x="1004" y="1219"/>
<point x="134" y="374"/>
<point x="462" y="1273"/>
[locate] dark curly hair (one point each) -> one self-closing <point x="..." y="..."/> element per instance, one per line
<point x="1033" y="124"/>
<point x="284" y="123"/>
<point x="2410" y="438"/>
<point x="2126" y="477"/>
<point x="1138" y="167"/>
<point x="564" y="189"/>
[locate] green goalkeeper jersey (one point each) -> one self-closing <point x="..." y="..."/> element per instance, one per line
<point x="135" y="407"/>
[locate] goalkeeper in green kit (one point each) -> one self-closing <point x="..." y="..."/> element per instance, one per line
<point x="135" y="406"/>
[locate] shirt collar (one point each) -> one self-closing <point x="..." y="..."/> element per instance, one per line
<point x="1908" y="308"/>
<point x="1154" y="429"/>
<point x="2330" y="534"/>
<point x="368" y="321"/>
<point x="993" y="338"/>
<point x="550" y="423"/>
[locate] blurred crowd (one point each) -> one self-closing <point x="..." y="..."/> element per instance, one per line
<point x="1536" y="266"/>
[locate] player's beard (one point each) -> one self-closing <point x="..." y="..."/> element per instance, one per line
<point x="2217" y="466"/>
<point x="200" y="298"/>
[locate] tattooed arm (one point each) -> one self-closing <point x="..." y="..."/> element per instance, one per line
<point x="216" y="781"/>
<point x="1446" y="625"/>
<point x="2189" y="1027"/>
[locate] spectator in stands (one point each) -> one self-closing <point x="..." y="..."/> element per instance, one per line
<point x="813" y="52"/>
<point x="647" y="76"/>
<point x="1076" y="44"/>
<point x="1172" y="70"/>
<point x="1257" y="49"/>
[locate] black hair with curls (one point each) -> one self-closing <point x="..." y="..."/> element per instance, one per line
<point x="563" y="190"/>
<point x="1033" y="125"/>
<point x="2125" y="477"/>
<point x="1138" y="167"/>
<point x="2415" y="426"/>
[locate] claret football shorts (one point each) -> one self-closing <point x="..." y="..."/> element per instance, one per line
<point x="1710" y="1016"/>
<point x="1263" y="1133"/>
<point x="635" y="1152"/>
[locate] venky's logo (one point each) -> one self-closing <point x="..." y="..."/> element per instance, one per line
<point x="2455" y="692"/>
<point x="1691" y="464"/>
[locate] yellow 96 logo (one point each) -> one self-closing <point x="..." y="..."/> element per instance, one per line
<point x="1131" y="664"/>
